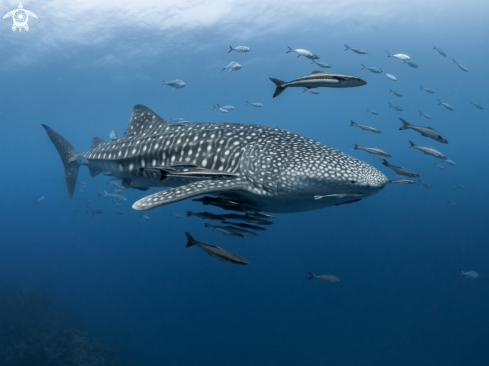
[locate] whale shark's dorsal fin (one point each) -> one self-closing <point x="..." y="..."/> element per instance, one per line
<point x="144" y="120"/>
<point x="190" y="190"/>
<point x="96" y="141"/>
<point x="319" y="72"/>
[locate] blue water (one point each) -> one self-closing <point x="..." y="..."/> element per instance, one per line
<point x="133" y="284"/>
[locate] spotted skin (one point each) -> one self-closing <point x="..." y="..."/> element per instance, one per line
<point x="278" y="171"/>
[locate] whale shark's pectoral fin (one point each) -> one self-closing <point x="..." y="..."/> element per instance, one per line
<point x="190" y="190"/>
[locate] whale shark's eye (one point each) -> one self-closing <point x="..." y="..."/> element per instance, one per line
<point x="368" y="186"/>
<point x="352" y="182"/>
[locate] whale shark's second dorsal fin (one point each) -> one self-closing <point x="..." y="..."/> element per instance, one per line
<point x="190" y="190"/>
<point x="144" y="121"/>
<point x="96" y="141"/>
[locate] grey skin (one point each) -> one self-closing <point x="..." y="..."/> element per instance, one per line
<point x="425" y="131"/>
<point x="446" y="105"/>
<point x="412" y="64"/>
<point x="175" y="84"/>
<point x="373" y="112"/>
<point x="272" y="166"/>
<point x="428" y="150"/>
<point x="461" y="67"/>
<point x="469" y="274"/>
<point x="239" y="49"/>
<point x="305" y="53"/>
<point x="477" y="105"/>
<point x="243" y="225"/>
<point x="356" y="50"/>
<point x="256" y="105"/>
<point x="396" y="93"/>
<point x="401" y="170"/>
<point x="246" y="218"/>
<point x="324" y="65"/>
<point x="325" y="278"/>
<point x="426" y="184"/>
<point x="364" y="127"/>
<point x="206" y="215"/>
<point x="229" y="230"/>
<point x="372" y="69"/>
<point x="427" y="89"/>
<point x="215" y="251"/>
<point x="396" y="107"/>
<point x="458" y="185"/>
<point x="318" y="79"/>
<point x="402" y="181"/>
<point x="440" y="51"/>
<point x="232" y="66"/>
<point x="372" y="150"/>
<point x="424" y="115"/>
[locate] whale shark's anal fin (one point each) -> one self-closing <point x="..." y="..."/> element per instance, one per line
<point x="67" y="153"/>
<point x="190" y="190"/>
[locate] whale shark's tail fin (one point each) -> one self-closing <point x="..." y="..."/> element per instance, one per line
<point x="68" y="155"/>
<point x="280" y="86"/>
<point x="312" y="275"/>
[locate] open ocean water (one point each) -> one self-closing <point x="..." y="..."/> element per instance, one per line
<point x="132" y="284"/>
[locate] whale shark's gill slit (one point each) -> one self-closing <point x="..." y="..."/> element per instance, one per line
<point x="346" y="203"/>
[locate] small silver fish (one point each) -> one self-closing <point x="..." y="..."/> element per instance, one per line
<point x="450" y="162"/>
<point x="356" y="50"/>
<point x="372" y="150"/>
<point x="117" y="203"/>
<point x="219" y="109"/>
<point x="402" y="181"/>
<point x="425" y="131"/>
<point x="87" y="201"/>
<point x="458" y="185"/>
<point x="454" y="204"/>
<point x="175" y="214"/>
<point x="399" y="56"/>
<point x="311" y="90"/>
<point x="373" y="112"/>
<point x="372" y="69"/>
<point x="206" y="216"/>
<point x="117" y="190"/>
<point x="254" y="104"/>
<point x="117" y="196"/>
<point x="426" y="184"/>
<point x="440" y="51"/>
<point x="175" y="83"/>
<point x="98" y="211"/>
<point x="239" y="49"/>
<point x="179" y="119"/>
<point x="216" y="251"/>
<point x="412" y="64"/>
<point x="339" y="195"/>
<point x="324" y="65"/>
<point x="428" y="150"/>
<point x="396" y="107"/>
<point x="232" y="66"/>
<point x="226" y="107"/>
<point x="400" y="170"/>
<point x="102" y="194"/>
<point x="305" y="53"/>
<point x="113" y="135"/>
<point x="119" y="212"/>
<point x="446" y="105"/>
<point x="396" y="93"/>
<point x="424" y="115"/>
<point x="80" y="190"/>
<point x="39" y="200"/>
<point x="391" y="77"/>
<point x="427" y="89"/>
<point x="325" y="278"/>
<point x="146" y="217"/>
<point x="477" y="105"/>
<point x="73" y="208"/>
<point x="439" y="166"/>
<point x="461" y="67"/>
<point x="470" y="274"/>
<point x="229" y="230"/>
<point x="364" y="127"/>
<point x="82" y="183"/>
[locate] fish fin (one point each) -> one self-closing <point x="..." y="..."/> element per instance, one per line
<point x="231" y="48"/>
<point x="439" y="101"/>
<point x="190" y="213"/>
<point x="352" y="123"/>
<point x="385" y="162"/>
<point x="96" y="142"/>
<point x="356" y="147"/>
<point x="94" y="171"/>
<point x="164" y="82"/>
<point x="190" y="240"/>
<point x="312" y="275"/>
<point x="405" y="125"/>
<point x="290" y="50"/>
<point x="208" y="225"/>
<point x="144" y="120"/>
<point x="412" y="145"/>
<point x="461" y="272"/>
<point x="347" y="48"/>
<point x="389" y="55"/>
<point x="223" y="67"/>
<point x="364" y="67"/>
<point x="320" y="72"/>
<point x="190" y="190"/>
<point x="280" y="88"/>
<point x="66" y="152"/>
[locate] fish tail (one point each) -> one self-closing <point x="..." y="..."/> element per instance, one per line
<point x="454" y="62"/>
<point x="190" y="240"/>
<point x="389" y="55"/>
<point x="347" y="48"/>
<point x="390" y="91"/>
<point x="385" y="162"/>
<point x="364" y="67"/>
<point x="304" y="90"/>
<point x="421" y="86"/>
<point x="67" y="154"/>
<point x="439" y="101"/>
<point x="164" y="83"/>
<point x="419" y="182"/>
<point x="223" y="67"/>
<point x="189" y="213"/>
<point x="461" y="272"/>
<point x="247" y="103"/>
<point x="352" y="123"/>
<point x="290" y="50"/>
<point x="312" y="275"/>
<point x="420" y="114"/>
<point x="231" y="48"/>
<point x="405" y="125"/>
<point x="279" y="86"/>
<point x="390" y="105"/>
<point x="209" y="225"/>
<point x="356" y="147"/>
<point x="412" y="145"/>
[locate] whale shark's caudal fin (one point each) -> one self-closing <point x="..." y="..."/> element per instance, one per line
<point x="67" y="154"/>
<point x="190" y="190"/>
<point x="280" y="88"/>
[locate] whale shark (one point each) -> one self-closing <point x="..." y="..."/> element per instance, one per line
<point x="274" y="170"/>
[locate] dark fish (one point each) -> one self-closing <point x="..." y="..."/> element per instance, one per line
<point x="400" y="170"/>
<point x="207" y="215"/>
<point x="246" y="218"/>
<point x="243" y="225"/>
<point x="216" y="251"/>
